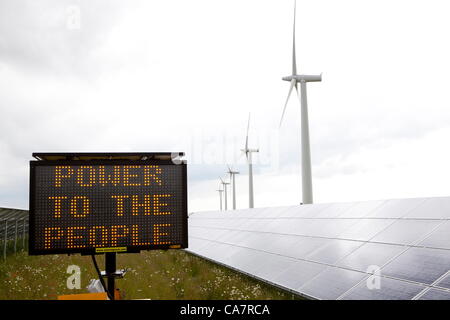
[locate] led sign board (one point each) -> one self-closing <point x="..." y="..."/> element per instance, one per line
<point x="105" y="205"/>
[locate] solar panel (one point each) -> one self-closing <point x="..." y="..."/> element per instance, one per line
<point x="440" y="238"/>
<point x="10" y="219"/>
<point x="332" y="283"/>
<point x="298" y="274"/>
<point x="396" y="208"/>
<point x="433" y="208"/>
<point x="406" y="231"/>
<point x="370" y="254"/>
<point x="392" y="289"/>
<point x="334" y="251"/>
<point x="435" y="294"/>
<point x="444" y="282"/>
<point x="423" y="265"/>
<point x="361" y="209"/>
<point x="365" y="229"/>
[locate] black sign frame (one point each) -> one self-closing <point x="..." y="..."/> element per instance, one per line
<point x="90" y="251"/>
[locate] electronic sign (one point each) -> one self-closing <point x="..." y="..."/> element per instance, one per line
<point x="101" y="206"/>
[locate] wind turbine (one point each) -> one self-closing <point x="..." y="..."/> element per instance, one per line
<point x="294" y="79"/>
<point x="220" y="195"/>
<point x="225" y="191"/>
<point x="232" y="179"/>
<point x="248" y="154"/>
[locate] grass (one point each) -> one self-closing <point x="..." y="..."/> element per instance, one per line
<point x="172" y="274"/>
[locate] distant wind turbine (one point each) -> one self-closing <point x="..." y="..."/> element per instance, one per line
<point x="248" y="154"/>
<point x="220" y="196"/>
<point x="294" y="79"/>
<point x="224" y="184"/>
<point x="233" y="181"/>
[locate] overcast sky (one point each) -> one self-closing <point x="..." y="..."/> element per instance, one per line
<point x="86" y="75"/>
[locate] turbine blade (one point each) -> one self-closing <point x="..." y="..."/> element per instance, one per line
<point x="248" y="128"/>
<point x="240" y="155"/>
<point x="293" y="84"/>
<point x="294" y="62"/>
<point x="243" y="152"/>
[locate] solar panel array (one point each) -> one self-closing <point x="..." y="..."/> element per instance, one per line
<point x="9" y="218"/>
<point x="391" y="249"/>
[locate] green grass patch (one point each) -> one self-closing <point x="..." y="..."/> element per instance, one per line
<point x="172" y="274"/>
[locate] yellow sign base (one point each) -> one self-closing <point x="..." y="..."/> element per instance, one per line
<point x="90" y="296"/>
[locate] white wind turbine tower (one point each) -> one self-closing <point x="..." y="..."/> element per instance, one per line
<point x="224" y="184"/>
<point x="294" y="79"/>
<point x="220" y="196"/>
<point x="233" y="181"/>
<point x="248" y="154"/>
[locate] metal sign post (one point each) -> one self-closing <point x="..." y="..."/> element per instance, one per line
<point x="23" y="235"/>
<point x="5" y="240"/>
<point x="110" y="268"/>
<point x="15" y="236"/>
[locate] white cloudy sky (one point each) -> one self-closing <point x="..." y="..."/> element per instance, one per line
<point x="183" y="75"/>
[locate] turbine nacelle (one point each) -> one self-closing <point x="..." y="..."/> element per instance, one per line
<point x="249" y="150"/>
<point x="304" y="78"/>
<point x="231" y="171"/>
